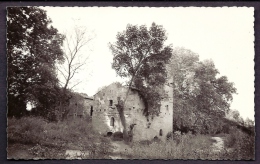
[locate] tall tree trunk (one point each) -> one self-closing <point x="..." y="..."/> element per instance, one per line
<point x="121" y="106"/>
<point x="120" y="109"/>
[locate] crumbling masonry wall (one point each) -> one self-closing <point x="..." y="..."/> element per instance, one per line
<point x="105" y="117"/>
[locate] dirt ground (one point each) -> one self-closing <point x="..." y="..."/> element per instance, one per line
<point x="18" y="151"/>
<point x="119" y="150"/>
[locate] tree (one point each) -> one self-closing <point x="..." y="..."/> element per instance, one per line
<point x="234" y="115"/>
<point x="33" y="48"/>
<point x="200" y="96"/>
<point x="140" y="55"/>
<point x="75" y="59"/>
<point x="249" y="122"/>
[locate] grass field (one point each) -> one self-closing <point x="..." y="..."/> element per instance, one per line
<point x="34" y="137"/>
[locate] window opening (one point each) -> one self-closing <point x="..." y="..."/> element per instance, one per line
<point x="110" y="102"/>
<point x="91" y="110"/>
<point x="160" y="132"/>
<point x="112" y="121"/>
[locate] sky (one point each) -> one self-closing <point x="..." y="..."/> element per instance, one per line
<point x="225" y="35"/>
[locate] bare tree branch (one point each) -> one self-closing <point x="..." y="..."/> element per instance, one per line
<point x="61" y="72"/>
<point x="76" y="84"/>
<point x="74" y="59"/>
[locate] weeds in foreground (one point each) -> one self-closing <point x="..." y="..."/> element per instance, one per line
<point x="185" y="146"/>
<point x="51" y="139"/>
<point x="242" y="144"/>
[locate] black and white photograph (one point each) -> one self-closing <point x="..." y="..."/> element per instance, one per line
<point x="169" y="83"/>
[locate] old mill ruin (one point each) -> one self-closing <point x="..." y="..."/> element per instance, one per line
<point x="105" y="117"/>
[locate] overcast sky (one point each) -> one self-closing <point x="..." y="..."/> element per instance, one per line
<point x="225" y="35"/>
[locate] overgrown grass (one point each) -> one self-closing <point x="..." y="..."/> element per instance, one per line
<point x="52" y="139"/>
<point x="242" y="144"/>
<point x="185" y="146"/>
<point x="42" y="139"/>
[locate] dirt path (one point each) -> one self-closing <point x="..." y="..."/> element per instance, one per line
<point x="120" y="149"/>
<point x="218" y="145"/>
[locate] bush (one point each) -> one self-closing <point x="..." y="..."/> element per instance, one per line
<point x="169" y="136"/>
<point x="226" y="128"/>
<point x="242" y="144"/>
<point x="46" y="138"/>
<point x="247" y="147"/>
<point x="26" y="129"/>
<point x="231" y="138"/>
<point x="176" y="136"/>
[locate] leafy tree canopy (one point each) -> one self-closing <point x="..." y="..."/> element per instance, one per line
<point x="33" y="47"/>
<point x="140" y="54"/>
<point x="199" y="93"/>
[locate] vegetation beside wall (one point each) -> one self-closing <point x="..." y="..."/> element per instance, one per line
<point x="189" y="146"/>
<point x="50" y="140"/>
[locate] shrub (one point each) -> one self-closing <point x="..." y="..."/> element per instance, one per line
<point x="231" y="138"/>
<point x="48" y="139"/>
<point x="26" y="129"/>
<point x="176" y="136"/>
<point x="226" y="128"/>
<point x="169" y="135"/>
<point x="42" y="152"/>
<point x="247" y="147"/>
<point x="241" y="143"/>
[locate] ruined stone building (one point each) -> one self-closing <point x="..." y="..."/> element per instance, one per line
<point x="80" y="105"/>
<point x="105" y="117"/>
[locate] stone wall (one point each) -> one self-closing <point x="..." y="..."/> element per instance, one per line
<point x="80" y="106"/>
<point x="105" y="116"/>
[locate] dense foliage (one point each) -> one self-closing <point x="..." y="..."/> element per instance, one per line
<point x="33" y="48"/>
<point x="35" y="137"/>
<point x="201" y="96"/>
<point x="140" y="55"/>
<point x="189" y="146"/>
